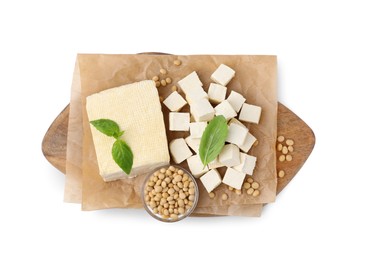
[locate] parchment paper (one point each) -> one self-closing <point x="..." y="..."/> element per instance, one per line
<point x="255" y="78"/>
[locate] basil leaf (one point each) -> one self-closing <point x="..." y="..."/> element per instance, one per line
<point x="123" y="155"/>
<point x="108" y="127"/>
<point x="213" y="139"/>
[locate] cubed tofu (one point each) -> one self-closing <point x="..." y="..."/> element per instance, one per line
<point x="196" y="166"/>
<point x="230" y="155"/>
<point x="179" y="150"/>
<point x="250" y="139"/>
<point x="211" y="180"/>
<point x="234" y="178"/>
<point x="241" y="166"/>
<point x="223" y="74"/>
<point x="197" y="129"/>
<point x="202" y="110"/>
<point x="175" y="102"/>
<point x="236" y="134"/>
<point x="215" y="164"/>
<point x="250" y="163"/>
<point x="225" y="109"/>
<point x="250" y="113"/>
<point x="194" y="143"/>
<point x="179" y="121"/>
<point x="195" y="95"/>
<point x="236" y="100"/>
<point x="217" y="93"/>
<point x="190" y="82"/>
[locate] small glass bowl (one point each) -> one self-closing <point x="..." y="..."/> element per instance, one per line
<point x="180" y="216"/>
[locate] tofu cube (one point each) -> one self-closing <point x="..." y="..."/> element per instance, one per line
<point x="250" y="163"/>
<point x="241" y="166"/>
<point x="195" y="95"/>
<point x="225" y="109"/>
<point x="194" y="143"/>
<point x="190" y="82"/>
<point x="196" y="166"/>
<point x="179" y="121"/>
<point x="211" y="180"/>
<point x="215" y="164"/>
<point x="179" y="150"/>
<point x="175" y="102"/>
<point x="197" y="129"/>
<point x="202" y="110"/>
<point x="236" y="134"/>
<point x="249" y="142"/>
<point x="234" y="178"/>
<point x="230" y="155"/>
<point x="217" y="93"/>
<point x="222" y="75"/>
<point x="236" y="100"/>
<point x="250" y="113"/>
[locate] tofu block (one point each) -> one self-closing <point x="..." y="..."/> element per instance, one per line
<point x="194" y="143"/>
<point x="249" y="142"/>
<point x="197" y="129"/>
<point x="250" y="163"/>
<point x="179" y="150"/>
<point x="217" y="93"/>
<point x="202" y="110"/>
<point x="215" y="164"/>
<point x="211" y="180"/>
<point x="179" y="121"/>
<point x="236" y="100"/>
<point x="196" y="166"/>
<point x="250" y="113"/>
<point x="241" y="166"/>
<point x="190" y="83"/>
<point x="225" y="109"/>
<point x="195" y="95"/>
<point x="175" y="102"/>
<point x="234" y="178"/>
<point x="140" y="116"/>
<point x="250" y="139"/>
<point x="230" y="155"/>
<point x="237" y="134"/>
<point x="223" y="74"/>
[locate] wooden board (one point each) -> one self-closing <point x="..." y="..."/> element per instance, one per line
<point x="289" y="125"/>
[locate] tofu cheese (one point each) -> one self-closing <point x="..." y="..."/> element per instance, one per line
<point x="137" y="110"/>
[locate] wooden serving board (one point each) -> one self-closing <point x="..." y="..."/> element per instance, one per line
<point x="289" y="125"/>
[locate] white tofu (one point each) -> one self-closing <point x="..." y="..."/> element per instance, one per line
<point x="225" y="109"/>
<point x="175" y="102"/>
<point x="241" y="166"/>
<point x="236" y="134"/>
<point x="250" y="163"/>
<point x="194" y="143"/>
<point x="190" y="82"/>
<point x="195" y="95"/>
<point x="211" y="180"/>
<point x="230" y="155"/>
<point x="223" y="74"/>
<point x="250" y="113"/>
<point x="197" y="129"/>
<point x="196" y="166"/>
<point x="202" y="110"/>
<point x="179" y="121"/>
<point x="236" y="100"/>
<point x="179" y="150"/>
<point x="234" y="178"/>
<point x="250" y="139"/>
<point x="217" y="93"/>
<point x="215" y="164"/>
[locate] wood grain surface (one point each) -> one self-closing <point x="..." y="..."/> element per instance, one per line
<point x="289" y="125"/>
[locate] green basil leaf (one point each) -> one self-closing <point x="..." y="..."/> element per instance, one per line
<point x="108" y="127"/>
<point x="213" y="139"/>
<point x="123" y="155"/>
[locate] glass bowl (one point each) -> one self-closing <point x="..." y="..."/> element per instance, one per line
<point x="160" y="201"/>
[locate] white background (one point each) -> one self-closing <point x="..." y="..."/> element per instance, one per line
<point x="322" y="55"/>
